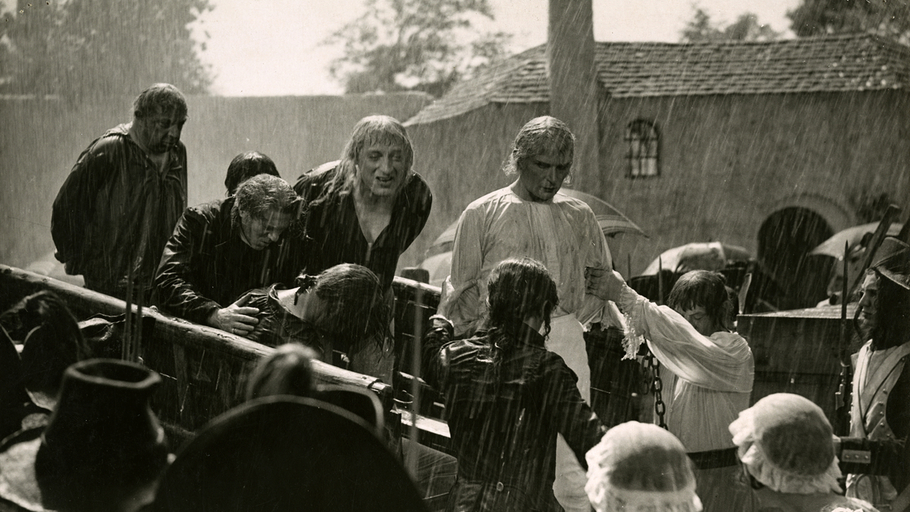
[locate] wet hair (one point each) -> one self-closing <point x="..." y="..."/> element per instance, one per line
<point x="261" y="195"/>
<point x="159" y="99"/>
<point x="703" y="288"/>
<point x="286" y="371"/>
<point x="51" y="336"/>
<point x="357" y="310"/>
<point x="369" y="130"/>
<point x="892" y="317"/>
<point x="538" y="136"/>
<point x="519" y="288"/>
<point x="246" y="165"/>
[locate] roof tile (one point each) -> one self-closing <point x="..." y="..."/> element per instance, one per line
<point x="838" y="63"/>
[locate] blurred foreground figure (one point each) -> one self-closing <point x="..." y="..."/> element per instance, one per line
<point x="638" y="467"/>
<point x="881" y="381"/>
<point x="709" y="377"/>
<point x="221" y="249"/>
<point x="286" y="371"/>
<point x="507" y="396"/>
<point x="45" y="339"/>
<point x="366" y="208"/>
<point x="530" y="219"/>
<point x="246" y="165"/>
<point x="286" y="453"/>
<point x="341" y="314"/>
<point x="102" y="450"/>
<point x="122" y="199"/>
<point x="786" y="446"/>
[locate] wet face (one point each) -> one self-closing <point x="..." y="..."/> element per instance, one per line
<point x="260" y="233"/>
<point x="160" y="132"/>
<point x="381" y="169"/>
<point x="699" y="319"/>
<point x="541" y="176"/>
<point x="868" y="302"/>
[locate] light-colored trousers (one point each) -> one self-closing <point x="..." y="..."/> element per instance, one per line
<point x="567" y="340"/>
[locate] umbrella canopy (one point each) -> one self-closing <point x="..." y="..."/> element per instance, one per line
<point x="698" y="256"/>
<point x="610" y="220"/>
<point x="834" y="246"/>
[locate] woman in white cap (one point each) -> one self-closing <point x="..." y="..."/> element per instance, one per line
<point x="640" y="467"/>
<point x="786" y="446"/>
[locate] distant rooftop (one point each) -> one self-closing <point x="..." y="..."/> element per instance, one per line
<point x="838" y="63"/>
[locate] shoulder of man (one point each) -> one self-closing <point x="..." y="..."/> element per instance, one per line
<point x="490" y="197"/>
<point x="211" y="210"/>
<point x="315" y="178"/>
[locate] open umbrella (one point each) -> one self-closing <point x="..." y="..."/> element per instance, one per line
<point x="698" y="256"/>
<point x="834" y="246"/>
<point x="610" y="220"/>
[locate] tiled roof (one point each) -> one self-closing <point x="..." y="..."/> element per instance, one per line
<point x="840" y="63"/>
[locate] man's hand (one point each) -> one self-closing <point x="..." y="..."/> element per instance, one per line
<point x="603" y="284"/>
<point x="236" y="319"/>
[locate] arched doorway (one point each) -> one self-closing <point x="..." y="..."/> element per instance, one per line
<point x="784" y="242"/>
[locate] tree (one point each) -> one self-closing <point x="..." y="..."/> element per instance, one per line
<point x="424" y="45"/>
<point x="889" y="18"/>
<point x="101" y="48"/>
<point x="745" y="28"/>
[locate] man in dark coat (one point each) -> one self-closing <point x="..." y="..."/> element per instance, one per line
<point x="221" y="249"/>
<point x="119" y="205"/>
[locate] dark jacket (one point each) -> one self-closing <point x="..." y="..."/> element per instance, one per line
<point x="116" y="210"/>
<point x="206" y="265"/>
<point x="331" y="233"/>
<point x="504" y="417"/>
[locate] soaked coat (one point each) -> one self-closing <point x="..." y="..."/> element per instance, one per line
<point x="207" y="266"/>
<point x="504" y="417"/>
<point x="332" y="233"/>
<point x="116" y="210"/>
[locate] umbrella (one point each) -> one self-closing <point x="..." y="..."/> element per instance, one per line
<point x="834" y="246"/>
<point x="610" y="220"/>
<point x="698" y="256"/>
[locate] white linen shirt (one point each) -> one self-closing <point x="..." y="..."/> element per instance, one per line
<point x="707" y="380"/>
<point x="563" y="234"/>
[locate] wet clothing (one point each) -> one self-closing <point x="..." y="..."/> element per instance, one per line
<point x="707" y="382"/>
<point x="563" y="234"/>
<point x="881" y="412"/>
<point x="116" y="210"/>
<point x="277" y="325"/>
<point x="504" y="417"/>
<point x="331" y="232"/>
<point x="207" y="266"/>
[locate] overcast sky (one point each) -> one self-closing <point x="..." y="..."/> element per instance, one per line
<point x="273" y="47"/>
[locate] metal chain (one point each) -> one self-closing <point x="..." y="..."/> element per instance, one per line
<point x="657" y="385"/>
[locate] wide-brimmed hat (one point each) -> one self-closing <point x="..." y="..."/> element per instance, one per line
<point x="892" y="260"/>
<point x="286" y="453"/>
<point x="787" y="444"/>
<point x="640" y="467"/>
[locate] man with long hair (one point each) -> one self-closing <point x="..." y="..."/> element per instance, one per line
<point x="530" y="218"/>
<point x="365" y="208"/>
<point x="507" y="396"/>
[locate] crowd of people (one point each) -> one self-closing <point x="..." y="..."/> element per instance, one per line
<point x="307" y="269"/>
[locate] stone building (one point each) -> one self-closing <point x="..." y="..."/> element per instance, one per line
<point x="773" y="146"/>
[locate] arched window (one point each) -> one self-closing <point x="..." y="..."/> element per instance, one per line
<point x="642" y="138"/>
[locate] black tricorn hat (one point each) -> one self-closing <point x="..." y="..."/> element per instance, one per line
<point x="892" y="260"/>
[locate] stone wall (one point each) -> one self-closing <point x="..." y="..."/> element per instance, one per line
<point x="42" y="139"/>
